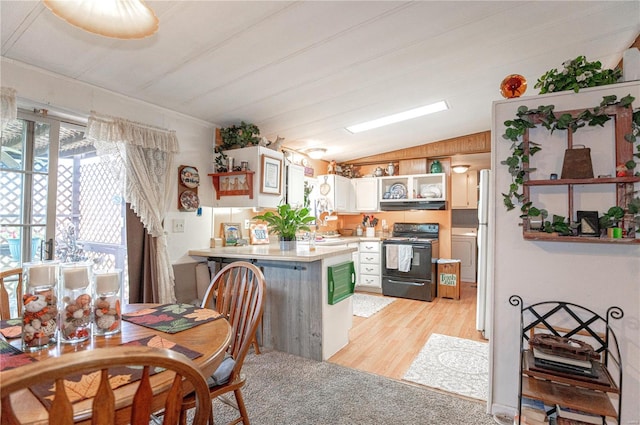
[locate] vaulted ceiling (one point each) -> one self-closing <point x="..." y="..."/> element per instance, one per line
<point x="304" y="70"/>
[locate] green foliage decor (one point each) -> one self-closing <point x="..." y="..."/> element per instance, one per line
<point x="577" y="74"/>
<point x="235" y="137"/>
<point x="524" y="121"/>
<point x="287" y="221"/>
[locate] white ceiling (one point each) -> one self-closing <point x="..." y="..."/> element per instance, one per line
<point x="305" y="70"/>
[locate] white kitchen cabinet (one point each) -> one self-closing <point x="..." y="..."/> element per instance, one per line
<point x="464" y="190"/>
<point x="366" y="191"/>
<point x="295" y="185"/>
<point x="335" y="194"/>
<point x="248" y="193"/>
<point x="464" y="248"/>
<point x="369" y="271"/>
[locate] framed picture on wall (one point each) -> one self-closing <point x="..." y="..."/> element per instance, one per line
<point x="588" y="223"/>
<point x="230" y="233"/>
<point x="271" y="175"/>
<point x="259" y="234"/>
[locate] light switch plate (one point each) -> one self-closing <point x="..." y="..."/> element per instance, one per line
<point x="178" y="225"/>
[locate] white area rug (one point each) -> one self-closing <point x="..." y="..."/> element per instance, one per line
<point x="452" y="364"/>
<point x="367" y="305"/>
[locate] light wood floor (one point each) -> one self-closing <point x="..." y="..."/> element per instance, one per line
<point x="387" y="342"/>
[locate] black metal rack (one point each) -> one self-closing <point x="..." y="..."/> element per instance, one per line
<point x="565" y="319"/>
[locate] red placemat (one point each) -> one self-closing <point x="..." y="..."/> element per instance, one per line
<point x="11" y="357"/>
<point x="172" y="318"/>
<point x="83" y="386"/>
<point x="11" y="328"/>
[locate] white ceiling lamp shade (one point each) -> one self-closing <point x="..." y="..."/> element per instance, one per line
<point x="316" y="153"/>
<point x="124" y="19"/>
<point x="460" y="168"/>
<point x="401" y="116"/>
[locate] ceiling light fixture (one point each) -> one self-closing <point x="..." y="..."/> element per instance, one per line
<point x="460" y="168"/>
<point x="316" y="153"/>
<point x="401" y="116"/>
<point x="125" y="19"/>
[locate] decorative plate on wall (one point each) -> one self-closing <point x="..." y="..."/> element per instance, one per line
<point x="189" y="200"/>
<point x="190" y="177"/>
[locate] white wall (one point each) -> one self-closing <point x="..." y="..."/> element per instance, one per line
<point x="195" y="137"/>
<point x="596" y="276"/>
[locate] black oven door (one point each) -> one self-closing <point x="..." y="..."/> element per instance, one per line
<point x="420" y="263"/>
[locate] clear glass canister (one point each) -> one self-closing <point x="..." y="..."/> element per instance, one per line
<point x="39" y="309"/>
<point x="75" y="305"/>
<point x="106" y="303"/>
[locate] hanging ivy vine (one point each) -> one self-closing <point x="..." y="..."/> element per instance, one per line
<point x="524" y="121"/>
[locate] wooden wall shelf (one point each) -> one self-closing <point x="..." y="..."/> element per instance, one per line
<point x="222" y="182"/>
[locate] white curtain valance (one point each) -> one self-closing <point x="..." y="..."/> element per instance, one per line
<point x="8" y="105"/>
<point x="113" y="129"/>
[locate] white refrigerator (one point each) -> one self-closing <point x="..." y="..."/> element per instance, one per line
<point x="483" y="310"/>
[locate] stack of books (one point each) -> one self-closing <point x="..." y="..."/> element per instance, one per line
<point x="559" y="363"/>
<point x="567" y="416"/>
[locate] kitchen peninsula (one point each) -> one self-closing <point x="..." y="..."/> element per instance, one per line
<point x="298" y="317"/>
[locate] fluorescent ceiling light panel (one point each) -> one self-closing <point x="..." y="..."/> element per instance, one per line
<point x="401" y="116"/>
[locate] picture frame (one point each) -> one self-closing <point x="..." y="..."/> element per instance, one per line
<point x="230" y="233"/>
<point x="271" y="175"/>
<point x="588" y="223"/>
<point x="258" y="234"/>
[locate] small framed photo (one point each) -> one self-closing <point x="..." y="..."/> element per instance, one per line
<point x="588" y="223"/>
<point x="271" y="175"/>
<point x="259" y="234"/>
<point x="230" y="233"/>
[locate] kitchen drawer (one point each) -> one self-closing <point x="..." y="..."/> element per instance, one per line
<point x="370" y="280"/>
<point x="369" y="247"/>
<point x="369" y="258"/>
<point x="369" y="269"/>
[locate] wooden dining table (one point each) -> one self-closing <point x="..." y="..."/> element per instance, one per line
<point x="211" y="339"/>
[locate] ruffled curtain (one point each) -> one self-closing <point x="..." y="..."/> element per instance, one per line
<point x="143" y="155"/>
<point x="8" y="105"/>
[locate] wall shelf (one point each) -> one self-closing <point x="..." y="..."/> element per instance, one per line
<point x="222" y="182"/>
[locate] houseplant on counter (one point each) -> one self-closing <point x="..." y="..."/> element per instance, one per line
<point x="287" y="222"/>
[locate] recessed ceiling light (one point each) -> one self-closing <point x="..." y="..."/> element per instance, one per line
<point x="401" y="116"/>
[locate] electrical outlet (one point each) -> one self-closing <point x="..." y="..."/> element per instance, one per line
<point x="247" y="223"/>
<point x="178" y="225"/>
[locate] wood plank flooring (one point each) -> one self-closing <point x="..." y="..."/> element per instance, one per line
<point x="387" y="342"/>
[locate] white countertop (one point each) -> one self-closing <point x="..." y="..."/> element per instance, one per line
<point x="272" y="252"/>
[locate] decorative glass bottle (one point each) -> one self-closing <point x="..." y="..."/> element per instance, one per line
<point x="75" y="305"/>
<point x="106" y="304"/>
<point x="436" y="167"/>
<point x="39" y="310"/>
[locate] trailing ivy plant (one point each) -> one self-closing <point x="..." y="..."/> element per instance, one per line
<point x="235" y="137"/>
<point x="525" y="120"/>
<point x="576" y="74"/>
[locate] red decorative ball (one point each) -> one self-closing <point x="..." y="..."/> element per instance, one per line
<point x="513" y="85"/>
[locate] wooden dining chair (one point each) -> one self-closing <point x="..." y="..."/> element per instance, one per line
<point x="238" y="292"/>
<point x="106" y="409"/>
<point x="5" y="277"/>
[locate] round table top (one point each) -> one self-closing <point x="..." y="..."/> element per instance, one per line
<point x="211" y="339"/>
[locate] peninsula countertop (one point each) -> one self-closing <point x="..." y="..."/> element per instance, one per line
<point x="272" y="252"/>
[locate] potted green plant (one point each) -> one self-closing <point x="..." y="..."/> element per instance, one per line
<point x="611" y="219"/>
<point x="576" y="74"/>
<point x="286" y="222"/>
<point x="235" y="137"/>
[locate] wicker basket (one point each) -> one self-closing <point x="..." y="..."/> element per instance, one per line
<point x="345" y="232"/>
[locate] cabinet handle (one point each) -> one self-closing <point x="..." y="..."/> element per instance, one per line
<point x="368" y="247"/>
<point x="368" y="258"/>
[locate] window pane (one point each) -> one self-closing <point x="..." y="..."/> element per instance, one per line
<point x="12" y="147"/>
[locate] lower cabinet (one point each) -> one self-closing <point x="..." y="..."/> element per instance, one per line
<point x="369" y="275"/>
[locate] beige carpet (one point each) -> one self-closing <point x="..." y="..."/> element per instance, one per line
<point x="283" y="389"/>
